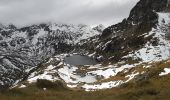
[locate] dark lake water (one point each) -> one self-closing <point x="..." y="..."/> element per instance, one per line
<point x="80" y="60"/>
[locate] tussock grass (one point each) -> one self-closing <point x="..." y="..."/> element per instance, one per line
<point x="153" y="87"/>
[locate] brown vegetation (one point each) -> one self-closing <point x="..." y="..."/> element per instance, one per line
<point x="153" y="87"/>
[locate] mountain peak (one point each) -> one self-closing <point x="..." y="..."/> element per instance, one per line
<point x="99" y="28"/>
<point x="143" y="16"/>
<point x="146" y="8"/>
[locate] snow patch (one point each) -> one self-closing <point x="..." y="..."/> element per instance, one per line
<point x="106" y="85"/>
<point x="166" y="72"/>
<point x="23" y="86"/>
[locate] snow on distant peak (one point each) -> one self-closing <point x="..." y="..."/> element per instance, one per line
<point x="99" y="28"/>
<point x="24" y="48"/>
<point x="1" y="26"/>
<point x="76" y="32"/>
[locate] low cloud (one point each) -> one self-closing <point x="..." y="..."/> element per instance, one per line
<point x="91" y="12"/>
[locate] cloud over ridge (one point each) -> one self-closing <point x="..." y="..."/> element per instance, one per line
<point x="91" y="12"/>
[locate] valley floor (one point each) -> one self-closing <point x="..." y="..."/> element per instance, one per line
<point x="151" y="87"/>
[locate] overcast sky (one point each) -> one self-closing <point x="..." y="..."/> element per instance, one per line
<point x="91" y="12"/>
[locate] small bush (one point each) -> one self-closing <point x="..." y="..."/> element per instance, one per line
<point x="58" y="85"/>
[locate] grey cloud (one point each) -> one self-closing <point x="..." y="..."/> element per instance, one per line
<point x="92" y="12"/>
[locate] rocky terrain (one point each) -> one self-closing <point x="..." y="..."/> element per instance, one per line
<point x="125" y="52"/>
<point x="22" y="49"/>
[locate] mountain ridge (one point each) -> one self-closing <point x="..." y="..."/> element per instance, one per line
<point x="125" y="51"/>
<point x="138" y="40"/>
<point x="22" y="49"/>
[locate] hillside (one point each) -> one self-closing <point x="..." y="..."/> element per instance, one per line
<point x="22" y="49"/>
<point x="132" y="57"/>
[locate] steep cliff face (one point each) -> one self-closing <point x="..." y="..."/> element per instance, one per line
<point x="142" y="18"/>
<point x="144" y="10"/>
<point x="118" y="40"/>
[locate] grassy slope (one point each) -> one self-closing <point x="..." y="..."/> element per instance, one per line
<point x="151" y="88"/>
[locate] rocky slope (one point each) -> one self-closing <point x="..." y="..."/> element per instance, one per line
<point x="131" y="34"/>
<point x="22" y="49"/>
<point x="125" y="50"/>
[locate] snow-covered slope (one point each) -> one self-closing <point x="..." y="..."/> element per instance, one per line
<point x="94" y="77"/>
<point x="127" y="50"/>
<point x="22" y="49"/>
<point x="158" y="48"/>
